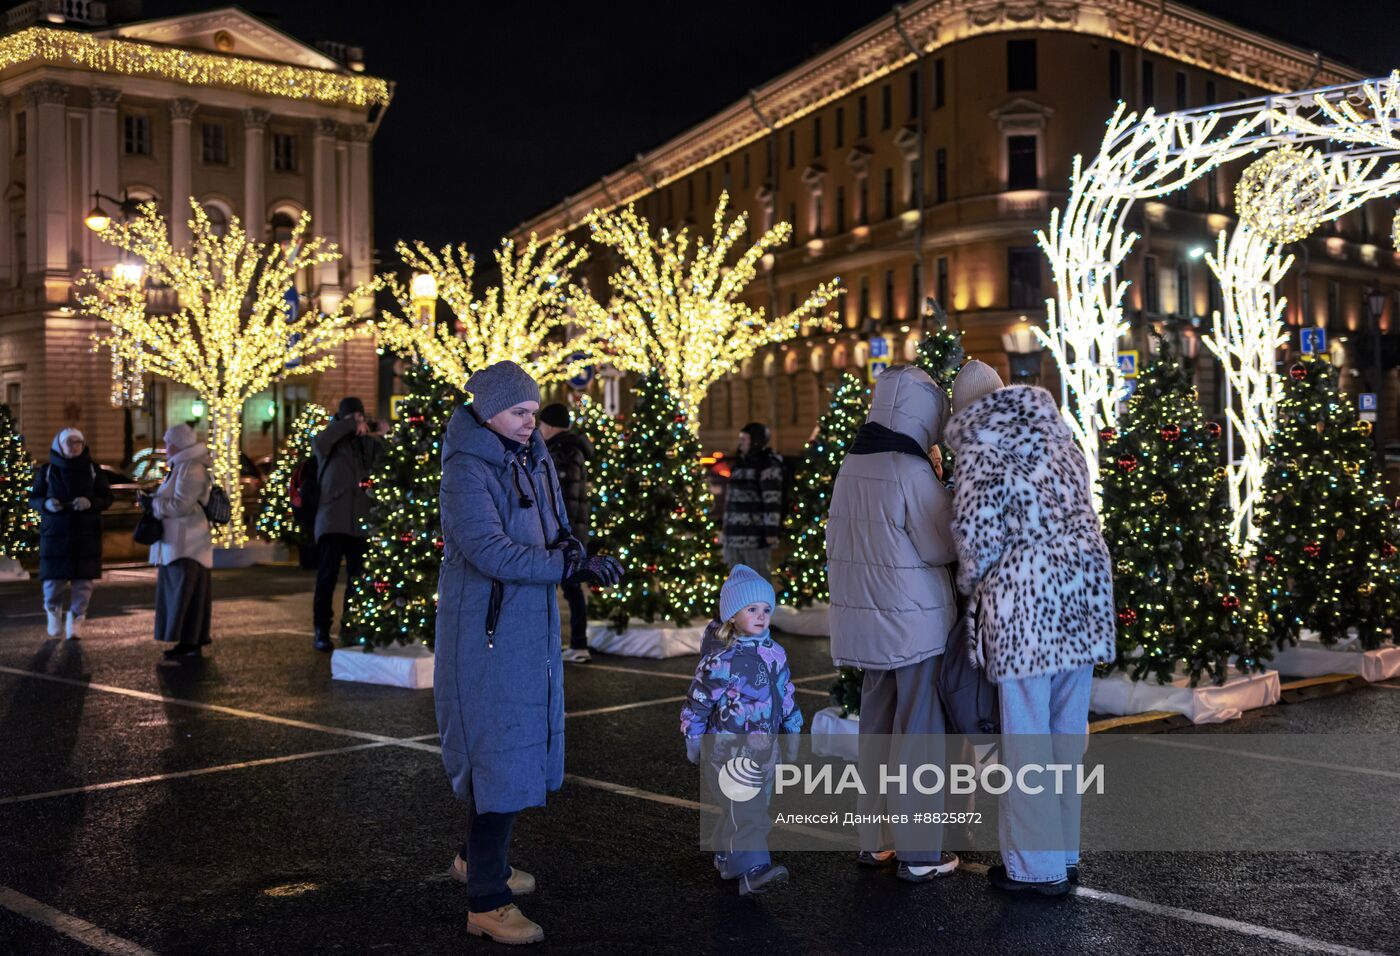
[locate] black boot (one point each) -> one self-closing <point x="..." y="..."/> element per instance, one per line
<point x="182" y="650"/>
<point x="323" y="639"/>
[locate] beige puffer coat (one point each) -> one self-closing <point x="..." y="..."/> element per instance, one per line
<point x="179" y="504"/>
<point x="889" y="537"/>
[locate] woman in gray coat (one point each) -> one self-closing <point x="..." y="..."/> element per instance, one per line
<point x="498" y="678"/>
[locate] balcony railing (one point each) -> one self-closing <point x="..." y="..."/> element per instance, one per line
<point x="81" y="12"/>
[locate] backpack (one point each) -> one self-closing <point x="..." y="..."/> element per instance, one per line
<point x="218" y="509"/>
<point x="306" y="491"/>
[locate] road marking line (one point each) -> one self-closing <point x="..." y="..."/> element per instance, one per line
<point x="1221" y="922"/>
<point x="1274" y="758"/>
<point x="1388" y="686"/>
<point x="84" y="932"/>
<point x="616" y="668"/>
<point x="215" y="708"/>
<point x="182" y="774"/>
<point x="803" y="680"/>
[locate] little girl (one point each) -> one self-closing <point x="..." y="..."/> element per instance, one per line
<point x="742" y="686"/>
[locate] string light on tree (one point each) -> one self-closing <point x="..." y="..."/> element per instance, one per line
<point x="802" y="576"/>
<point x="676" y="306"/>
<point x="19" y="523"/>
<point x="232" y="335"/>
<point x="275" y="520"/>
<point x="526" y="319"/>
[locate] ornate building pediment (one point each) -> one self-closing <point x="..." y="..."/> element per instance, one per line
<point x="227" y="30"/>
<point x="1021" y="115"/>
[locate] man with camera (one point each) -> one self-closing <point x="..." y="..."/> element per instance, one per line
<point x="347" y="451"/>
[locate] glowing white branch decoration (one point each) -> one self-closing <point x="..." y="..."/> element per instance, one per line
<point x="1246" y="340"/>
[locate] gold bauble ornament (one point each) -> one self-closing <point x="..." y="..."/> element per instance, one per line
<point x="1365" y="427"/>
<point x="1281" y="194"/>
<point x="1202" y="576"/>
<point x="1240" y="563"/>
<point x="1351" y="468"/>
<point x="1159" y="497"/>
<point x="1125" y="567"/>
<point x="1366" y="589"/>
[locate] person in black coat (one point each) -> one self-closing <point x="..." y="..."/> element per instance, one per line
<point x="753" y="502"/>
<point x="571" y="453"/>
<point x="70" y="493"/>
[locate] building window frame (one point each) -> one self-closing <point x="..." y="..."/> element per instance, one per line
<point x="1022" y="265"/>
<point x="213" y="143"/>
<point x="286" y="152"/>
<point x="136" y="134"/>
<point x="940" y="88"/>
<point x="886" y="106"/>
<point x="1021" y="66"/>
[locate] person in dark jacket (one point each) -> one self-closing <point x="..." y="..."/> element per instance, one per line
<point x="347" y="451"/>
<point x="500" y="713"/>
<point x="71" y="493"/>
<point x="753" y="502"/>
<point x="571" y="453"/>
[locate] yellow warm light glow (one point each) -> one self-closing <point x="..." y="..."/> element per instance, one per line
<point x="522" y="321"/>
<point x="97" y="220"/>
<point x="133" y="58"/>
<point x="675" y="308"/>
<point x="233" y="335"/>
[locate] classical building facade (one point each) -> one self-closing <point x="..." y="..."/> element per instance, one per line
<point x="219" y="106"/>
<point x="918" y="157"/>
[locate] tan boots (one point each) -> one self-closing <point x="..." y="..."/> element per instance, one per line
<point x="506" y="925"/>
<point x="520" y="882"/>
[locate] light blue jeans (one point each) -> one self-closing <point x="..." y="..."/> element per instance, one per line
<point x="1044" y="720"/>
<point x="78" y="605"/>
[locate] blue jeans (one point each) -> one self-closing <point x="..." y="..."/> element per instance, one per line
<point x="82" y="594"/>
<point x="1052" y="712"/>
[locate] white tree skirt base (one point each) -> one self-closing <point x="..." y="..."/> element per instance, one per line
<point x="254" y="552"/>
<point x="656" y="641"/>
<point x="12" y="570"/>
<point x="395" y="666"/>
<point x="834" y="735"/>
<point x="809" y="621"/>
<point x="1314" y="659"/>
<point x="1206" y="703"/>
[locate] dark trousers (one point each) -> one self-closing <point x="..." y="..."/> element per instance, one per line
<point x="487" y="853"/>
<point x="578" y="616"/>
<point x="333" y="549"/>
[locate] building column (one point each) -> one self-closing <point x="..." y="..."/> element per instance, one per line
<point x="255" y="173"/>
<point x="178" y="209"/>
<point x="103" y="163"/>
<point x="46" y="194"/>
<point x="6" y="227"/>
<point x="358" y="227"/>
<point x="324" y="221"/>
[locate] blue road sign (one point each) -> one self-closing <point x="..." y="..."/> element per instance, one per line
<point x="1312" y="341"/>
<point x="1367" y="401"/>
<point x="879" y="347"/>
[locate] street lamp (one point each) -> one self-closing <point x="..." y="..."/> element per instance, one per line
<point x="129" y="272"/>
<point x="423" y="288"/>
<point x="98" y="219"/>
<point x="1375" y="301"/>
<point x="127" y="392"/>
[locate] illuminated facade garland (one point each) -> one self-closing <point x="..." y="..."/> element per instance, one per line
<point x="132" y="58"/>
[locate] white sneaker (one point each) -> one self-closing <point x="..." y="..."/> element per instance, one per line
<point x="55" y="621"/>
<point x="579" y="656"/>
<point x="75" y="627"/>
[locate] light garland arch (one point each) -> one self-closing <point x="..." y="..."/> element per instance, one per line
<point x="1087" y="242"/>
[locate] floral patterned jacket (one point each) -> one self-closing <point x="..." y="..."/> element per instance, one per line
<point x="744" y="688"/>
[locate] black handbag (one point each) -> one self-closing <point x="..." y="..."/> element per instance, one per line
<point x="149" y="528"/>
<point x="970" y="701"/>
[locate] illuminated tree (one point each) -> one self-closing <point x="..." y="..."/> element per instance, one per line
<point x="654" y="517"/>
<point x="19" y="523"/>
<point x="1328" y="537"/>
<point x="1181" y="591"/>
<point x="275" y="518"/>
<point x="523" y="320"/>
<point x="802" y="576"/>
<point x="605" y="470"/>
<point x="395" y="600"/>
<point x="675" y="306"/>
<point x="234" y="333"/>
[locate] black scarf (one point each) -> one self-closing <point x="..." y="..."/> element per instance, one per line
<point x="874" y="438"/>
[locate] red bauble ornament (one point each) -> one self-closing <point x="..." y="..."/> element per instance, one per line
<point x="1213" y="429"/>
<point x="1387" y="549"/>
<point x="1128" y="616"/>
<point x="1229" y="602"/>
<point x="406" y="537"/>
<point x="1127" y="462"/>
<point x="1108" y="435"/>
<point x="437" y="543"/>
<point x="1312" y="549"/>
<point x="1171" y="432"/>
<point x="1297" y="373"/>
<point x="380" y="587"/>
<point x="416" y="419"/>
<point x="367" y="484"/>
<point x="1270" y="560"/>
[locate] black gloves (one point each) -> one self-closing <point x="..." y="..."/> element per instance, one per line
<point x="595" y="570"/>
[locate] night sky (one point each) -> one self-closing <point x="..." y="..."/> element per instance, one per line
<point x="502" y="109"/>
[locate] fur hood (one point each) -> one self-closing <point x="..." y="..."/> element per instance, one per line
<point x="1018" y="420"/>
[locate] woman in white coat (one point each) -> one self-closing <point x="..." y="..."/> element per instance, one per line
<point x="185" y="552"/>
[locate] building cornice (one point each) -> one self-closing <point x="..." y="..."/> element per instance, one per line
<point x="1181" y="33"/>
<point x="65" y="48"/>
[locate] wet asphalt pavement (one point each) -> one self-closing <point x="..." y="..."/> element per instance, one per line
<point x="293" y="814"/>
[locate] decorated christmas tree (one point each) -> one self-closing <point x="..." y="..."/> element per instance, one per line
<point x="395" y="601"/>
<point x="654" y="518"/>
<point x="275" y="519"/>
<point x="1328" y="537"/>
<point x="801" y="578"/>
<point x="941" y="351"/>
<point x="19" y="523"/>
<point x="845" y="693"/>
<point x="605" y="469"/>
<point x="1181" y="591"/>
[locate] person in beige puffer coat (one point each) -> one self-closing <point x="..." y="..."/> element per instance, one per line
<point x="888" y="544"/>
<point x="185" y="552"/>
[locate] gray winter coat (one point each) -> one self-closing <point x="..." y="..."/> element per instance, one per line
<point x="344" y="462"/>
<point x="889" y="537"/>
<point x="499" y="696"/>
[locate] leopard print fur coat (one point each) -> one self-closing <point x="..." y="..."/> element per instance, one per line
<point x="1030" y="549"/>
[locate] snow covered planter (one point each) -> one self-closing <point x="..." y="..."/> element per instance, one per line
<point x="808" y="621"/>
<point x="1312" y="658"/>
<point x="834" y="735"/>
<point x="656" y="640"/>
<point x="1119" y="695"/>
<point x="397" y="665"/>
